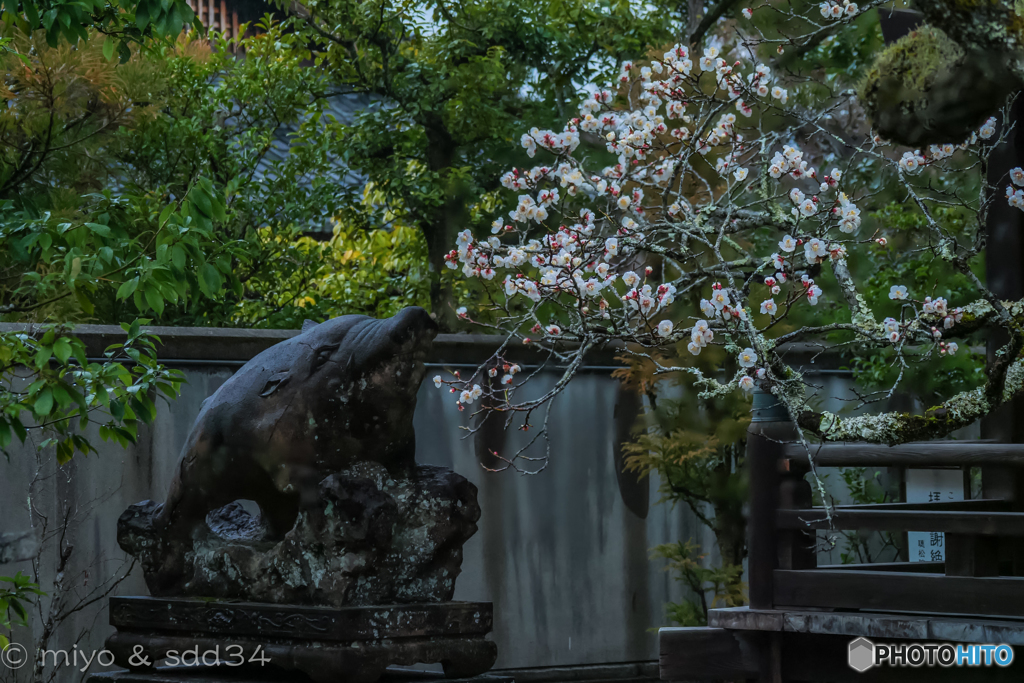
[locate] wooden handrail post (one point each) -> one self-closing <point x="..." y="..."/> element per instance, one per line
<point x="770" y="427"/>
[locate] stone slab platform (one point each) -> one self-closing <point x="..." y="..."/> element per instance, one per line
<point x="209" y="675"/>
<point x="350" y="644"/>
<point x="918" y="627"/>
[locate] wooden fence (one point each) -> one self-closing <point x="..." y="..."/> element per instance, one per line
<point x="983" y="571"/>
<point x="802" y="616"/>
<point x="214" y="14"/>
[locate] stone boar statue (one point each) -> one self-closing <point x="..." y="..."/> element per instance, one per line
<point x="316" y="431"/>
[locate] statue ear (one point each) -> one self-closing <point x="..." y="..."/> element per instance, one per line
<point x="307" y="325"/>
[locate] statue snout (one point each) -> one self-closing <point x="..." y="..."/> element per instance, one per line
<point x="412" y="326"/>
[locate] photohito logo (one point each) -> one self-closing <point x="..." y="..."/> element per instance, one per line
<point x="862" y="654"/>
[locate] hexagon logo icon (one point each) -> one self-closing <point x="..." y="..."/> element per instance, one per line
<point x="861" y="655"/>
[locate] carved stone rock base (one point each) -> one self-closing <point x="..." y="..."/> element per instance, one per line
<point x="351" y="644"/>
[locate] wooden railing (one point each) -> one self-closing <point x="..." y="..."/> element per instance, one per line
<point x="214" y="14"/>
<point x="983" y="570"/>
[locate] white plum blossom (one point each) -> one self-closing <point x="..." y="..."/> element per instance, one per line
<point x="437" y="381"/>
<point x="988" y="129"/>
<point x="1015" y="197"/>
<point x="898" y="292"/>
<point x="720" y="299"/>
<point x="665" y="328"/>
<point x="768" y="306"/>
<point x="813" y="292"/>
<point x="815" y="249"/>
<point x="951" y="348"/>
<point x="911" y="162"/>
<point x="470" y="395"/>
<point x="787" y="244"/>
<point x="708" y="62"/>
<point x="746" y="383"/>
<point x="747" y="358"/>
<point x="849" y="214"/>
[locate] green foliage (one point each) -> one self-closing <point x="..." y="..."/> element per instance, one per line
<point x="149" y="205"/>
<point x="376" y="273"/>
<point x="50" y="380"/>
<point x="723" y="583"/>
<point x="15" y="592"/>
<point x="697" y="453"/>
<point x="72" y="249"/>
<point x="123" y="23"/>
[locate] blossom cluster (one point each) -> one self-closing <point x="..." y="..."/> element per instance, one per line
<point x="835" y="10"/>
<point x="692" y="167"/>
<point x="1015" y="195"/>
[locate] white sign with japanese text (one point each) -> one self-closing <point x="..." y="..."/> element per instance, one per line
<point x="930" y="486"/>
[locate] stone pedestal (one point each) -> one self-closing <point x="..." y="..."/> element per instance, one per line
<point x="329" y="644"/>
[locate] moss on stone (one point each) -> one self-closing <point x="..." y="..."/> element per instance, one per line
<point x="939" y="83"/>
<point x="913" y="61"/>
<point x="896" y="88"/>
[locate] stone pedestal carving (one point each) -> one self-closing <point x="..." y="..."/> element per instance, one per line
<point x="352" y="644"/>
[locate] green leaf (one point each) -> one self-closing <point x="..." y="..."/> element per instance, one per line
<point x="31" y="13"/>
<point x="201" y="200"/>
<point x="109" y="44"/>
<point x="101" y="230"/>
<point x="85" y="302"/>
<point x="127" y="288"/>
<point x="154" y="299"/>
<point x="5" y="434"/>
<point x="43" y="403"/>
<point x="62" y="349"/>
<point x="65" y="451"/>
<point x="124" y="53"/>
<point x="142" y="16"/>
<point x="43" y="356"/>
<point x="209" y="279"/>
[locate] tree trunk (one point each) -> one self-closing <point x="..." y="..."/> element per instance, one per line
<point x="443" y="223"/>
